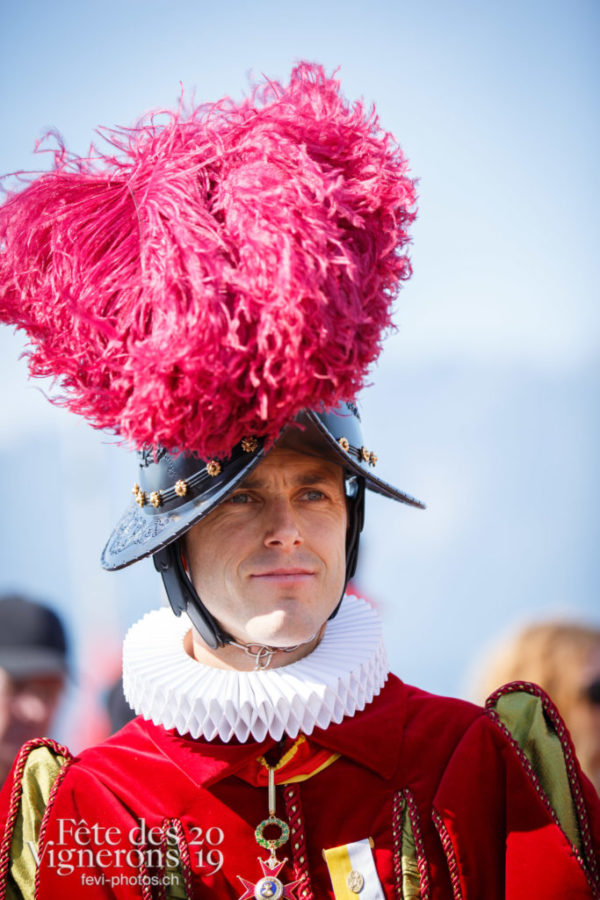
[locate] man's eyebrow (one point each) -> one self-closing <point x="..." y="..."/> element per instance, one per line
<point x="316" y="476"/>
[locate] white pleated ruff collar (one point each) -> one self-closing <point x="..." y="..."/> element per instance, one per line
<point x="164" y="684"/>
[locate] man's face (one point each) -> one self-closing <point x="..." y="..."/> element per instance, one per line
<point x="269" y="563"/>
<point x="27" y="707"/>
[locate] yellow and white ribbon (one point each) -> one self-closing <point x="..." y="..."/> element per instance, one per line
<point x="352" y="871"/>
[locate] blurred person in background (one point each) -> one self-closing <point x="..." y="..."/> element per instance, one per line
<point x="33" y="669"/>
<point x="564" y="659"/>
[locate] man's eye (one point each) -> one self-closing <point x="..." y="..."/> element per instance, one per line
<point x="240" y="498"/>
<point x="314" y="494"/>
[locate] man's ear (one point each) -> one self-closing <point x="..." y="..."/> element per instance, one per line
<point x="182" y="547"/>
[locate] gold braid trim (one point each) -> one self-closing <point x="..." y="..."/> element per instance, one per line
<point x="410" y="864"/>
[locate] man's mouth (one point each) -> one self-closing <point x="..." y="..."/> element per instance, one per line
<point x="285" y="573"/>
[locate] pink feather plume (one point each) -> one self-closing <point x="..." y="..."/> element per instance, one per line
<point x="216" y="273"/>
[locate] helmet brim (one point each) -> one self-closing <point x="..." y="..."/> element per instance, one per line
<point x="339" y="429"/>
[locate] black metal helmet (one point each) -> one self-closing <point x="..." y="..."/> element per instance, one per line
<point x="175" y="491"/>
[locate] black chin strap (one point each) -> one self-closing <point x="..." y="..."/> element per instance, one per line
<point x="356" y="520"/>
<point x="183" y="596"/>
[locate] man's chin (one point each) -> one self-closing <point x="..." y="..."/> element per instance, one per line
<point x="281" y="634"/>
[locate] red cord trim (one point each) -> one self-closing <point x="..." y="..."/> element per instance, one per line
<point x="450" y="854"/>
<point x="293" y="812"/>
<point x="397" y="808"/>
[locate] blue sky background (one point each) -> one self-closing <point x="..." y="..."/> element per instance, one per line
<point x="485" y="402"/>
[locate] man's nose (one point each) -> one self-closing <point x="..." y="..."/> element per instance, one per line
<point x="282" y="527"/>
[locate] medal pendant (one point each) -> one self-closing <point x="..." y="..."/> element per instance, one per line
<point x="269" y="887"/>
